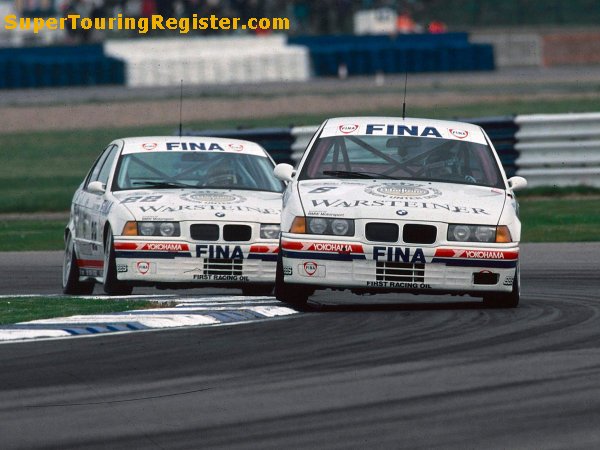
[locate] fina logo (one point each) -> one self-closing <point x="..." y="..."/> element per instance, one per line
<point x="310" y="268"/>
<point x="149" y="145"/>
<point x="347" y="129"/>
<point x="236" y="147"/>
<point x="460" y="134"/>
<point x="143" y="267"/>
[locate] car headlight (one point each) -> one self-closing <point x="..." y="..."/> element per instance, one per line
<point x="165" y="229"/>
<point x="168" y="228"/>
<point x="269" y="231"/>
<point x="147" y="228"/>
<point x="341" y="227"/>
<point x="317" y="225"/>
<point x="322" y="225"/>
<point x="478" y="233"/>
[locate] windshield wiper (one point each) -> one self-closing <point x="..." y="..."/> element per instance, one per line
<point x="164" y="184"/>
<point x="352" y="174"/>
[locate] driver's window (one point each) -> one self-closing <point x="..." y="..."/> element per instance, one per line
<point x="107" y="165"/>
<point x="97" y="169"/>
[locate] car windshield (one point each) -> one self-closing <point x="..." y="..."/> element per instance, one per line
<point x="402" y="158"/>
<point x="164" y="170"/>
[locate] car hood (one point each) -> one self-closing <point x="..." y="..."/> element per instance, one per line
<point x="202" y="204"/>
<point x="405" y="200"/>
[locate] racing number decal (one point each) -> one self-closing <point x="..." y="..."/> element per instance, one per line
<point x="143" y="199"/>
<point x="322" y="190"/>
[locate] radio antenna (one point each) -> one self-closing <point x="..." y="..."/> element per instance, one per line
<point x="404" y="102"/>
<point x="181" y="109"/>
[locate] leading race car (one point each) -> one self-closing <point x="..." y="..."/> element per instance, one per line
<point x="385" y="204"/>
<point x="175" y="212"/>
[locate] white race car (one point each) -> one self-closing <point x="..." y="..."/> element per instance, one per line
<point x="385" y="204"/>
<point x="175" y="212"/>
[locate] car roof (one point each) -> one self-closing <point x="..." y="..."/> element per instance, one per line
<point x="190" y="143"/>
<point x="398" y="126"/>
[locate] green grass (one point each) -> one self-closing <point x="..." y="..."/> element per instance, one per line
<point x="554" y="191"/>
<point x="40" y="171"/>
<point x="13" y="310"/>
<point x="22" y="235"/>
<point x="560" y="219"/>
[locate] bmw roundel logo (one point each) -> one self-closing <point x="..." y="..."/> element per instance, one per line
<point x="402" y="212"/>
<point x="220" y="214"/>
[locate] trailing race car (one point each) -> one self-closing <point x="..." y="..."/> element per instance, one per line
<point x="175" y="212"/>
<point x="384" y="204"/>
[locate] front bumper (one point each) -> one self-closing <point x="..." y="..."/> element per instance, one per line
<point x="366" y="267"/>
<point x="182" y="262"/>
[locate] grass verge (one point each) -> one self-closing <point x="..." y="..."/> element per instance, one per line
<point x="31" y="235"/>
<point x="14" y="310"/>
<point x="560" y="219"/>
<point x="41" y="170"/>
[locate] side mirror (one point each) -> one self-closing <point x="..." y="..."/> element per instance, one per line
<point x="284" y="172"/>
<point x="96" y="187"/>
<point x="517" y="183"/>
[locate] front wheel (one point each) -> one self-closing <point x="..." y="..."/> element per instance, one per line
<point x="506" y="300"/>
<point x="112" y="286"/>
<point x="292" y="294"/>
<point x="70" y="272"/>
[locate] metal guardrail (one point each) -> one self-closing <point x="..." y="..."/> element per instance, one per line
<point x="302" y="137"/>
<point x="559" y="149"/>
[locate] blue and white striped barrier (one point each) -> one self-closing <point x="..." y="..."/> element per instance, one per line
<point x="190" y="311"/>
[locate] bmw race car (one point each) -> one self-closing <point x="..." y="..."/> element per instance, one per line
<point x="385" y="204"/>
<point x="175" y="212"/>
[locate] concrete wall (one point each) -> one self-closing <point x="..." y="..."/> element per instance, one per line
<point x="522" y="48"/>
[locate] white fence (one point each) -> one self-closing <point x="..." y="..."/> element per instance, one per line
<point x="513" y="49"/>
<point x="222" y="60"/>
<point x="559" y="149"/>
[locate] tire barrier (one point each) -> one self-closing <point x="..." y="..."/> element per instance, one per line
<point x="367" y="55"/>
<point x="547" y="149"/>
<point x="38" y="67"/>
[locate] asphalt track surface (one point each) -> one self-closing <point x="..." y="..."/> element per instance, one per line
<point x="442" y="373"/>
<point x="108" y="107"/>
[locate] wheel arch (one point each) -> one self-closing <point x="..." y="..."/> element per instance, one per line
<point x="107" y="228"/>
<point x="69" y="229"/>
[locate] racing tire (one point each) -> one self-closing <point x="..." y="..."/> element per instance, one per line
<point x="112" y="286"/>
<point x="70" y="272"/>
<point x="292" y="294"/>
<point x="506" y="300"/>
<point x="257" y="290"/>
